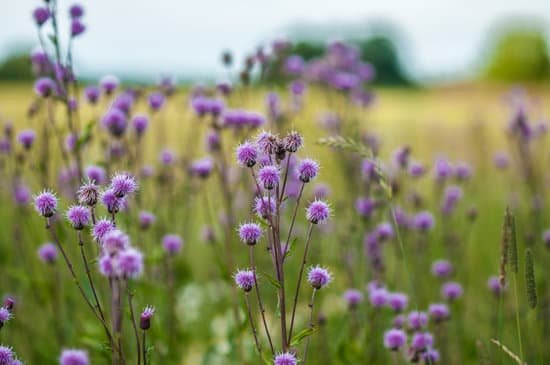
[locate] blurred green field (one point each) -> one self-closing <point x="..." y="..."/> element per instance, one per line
<point x="463" y="123"/>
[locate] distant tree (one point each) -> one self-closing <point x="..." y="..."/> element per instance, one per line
<point x="381" y="52"/>
<point x="16" y="68"/>
<point x="308" y="50"/>
<point x="519" y="55"/>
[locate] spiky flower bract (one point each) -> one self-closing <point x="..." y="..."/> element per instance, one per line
<point x="318" y="277"/>
<point x="45" y="203"/>
<point x="245" y="279"/>
<point x="318" y="212"/>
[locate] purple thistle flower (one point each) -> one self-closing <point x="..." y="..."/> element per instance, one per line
<point x="76" y="11"/>
<point x="140" y="124"/>
<point x="47" y="253"/>
<point x="451" y="291"/>
<point x="79" y="216"/>
<point x="442" y="268"/>
<point x="247" y="154"/>
<point x="421" y="341"/>
<point x="398" y="302"/>
<point x="294" y="65"/>
<point x="439" y="312"/>
<point x="115" y="122"/>
<point x="92" y="93"/>
<point x="286" y="358"/>
<point x="114" y="241"/>
<point x="353" y="298"/>
<point x="493" y="283"/>
<point x="156" y="100"/>
<point x="378" y="297"/>
<point x="267" y="143"/>
<point x="44" y="87"/>
<point x="293" y="141"/>
<point x="107" y="266"/>
<point x="109" y="83"/>
<point x="365" y="206"/>
<point x="384" y="231"/>
<point x="77" y="27"/>
<point x="129" y="263"/>
<point x="101" y="228"/>
<point x="268" y="176"/>
<point x="401" y="157"/>
<point x="26" y="138"/>
<point x="264" y="206"/>
<point x="123" y="184"/>
<point x="145" y="317"/>
<point x="45" y="203"/>
<point x="88" y="194"/>
<point x="213" y="141"/>
<point x="501" y="160"/>
<point x="146" y="219"/>
<point x="318" y="212"/>
<point x="318" y="277"/>
<point x="74" y="357"/>
<point x="431" y="356"/>
<point x="394" y="339"/>
<point x="423" y="221"/>
<point x="443" y="169"/>
<point x="250" y="233"/>
<point x="5" y="316"/>
<point x="9" y="303"/>
<point x="41" y="15"/>
<point x="96" y="174"/>
<point x="307" y="170"/>
<point x="245" y="279"/>
<point x="6" y="355"/>
<point x="546" y="237"/>
<point x="167" y="157"/>
<point x="463" y="171"/>
<point x="399" y="321"/>
<point x="172" y="244"/>
<point x="111" y="201"/>
<point x="416" y="169"/>
<point x="417" y="320"/>
<point x="202" y="168"/>
<point x="21" y="194"/>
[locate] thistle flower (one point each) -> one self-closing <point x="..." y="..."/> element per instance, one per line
<point x="421" y="341"/>
<point x="318" y="277"/>
<point x="442" y="268"/>
<point x="245" y="279"/>
<point x="123" y="184"/>
<point x="264" y="206"/>
<point x="423" y="221"/>
<point x="401" y="156"/>
<point x="365" y="206"/>
<point x="384" y="231"/>
<point x="398" y="301"/>
<point x="114" y="241"/>
<point x="202" y="168"/>
<point x="21" y="194"/>
<point x="493" y="283"/>
<point x="9" y="303"/>
<point x="45" y="203"/>
<point x="378" y="297"/>
<point x="213" y="141"/>
<point x="91" y="94"/>
<point x="88" y="194"/>
<point x="438" y="312"/>
<point x="6" y="355"/>
<point x="129" y="263"/>
<point x="501" y="160"/>
<point x="109" y="84"/>
<point x="76" y="11"/>
<point x="77" y="27"/>
<point x="416" y="169"/>
<point x="111" y="201"/>
<point x="417" y="320"/>
<point x="47" y="253"/>
<point x="107" y="266"/>
<point x="115" y="122"/>
<point x="431" y="356"/>
<point x="398" y="321"/>
<point x="145" y="318"/>
<point x="79" y="216"/>
<point x="74" y="357"/>
<point x="5" y="316"/>
<point x="44" y="87"/>
<point x="394" y="339"/>
<point x="268" y="177"/>
<point x="293" y="141"/>
<point x="463" y="171"/>
<point x="307" y="170"/>
<point x="101" y="228"/>
<point x="26" y="138"/>
<point x="172" y="243"/>
<point x="318" y="212"/>
<point x="443" y="169"/>
<point x="96" y="174"/>
<point x="286" y="358"/>
<point x="146" y="219"/>
<point x="250" y="233"/>
<point x="451" y="291"/>
<point x="267" y="143"/>
<point x="156" y="100"/>
<point x="41" y="15"/>
<point x="247" y="154"/>
<point x="353" y="298"/>
<point x="140" y="124"/>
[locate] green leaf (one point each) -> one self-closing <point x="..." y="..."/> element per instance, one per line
<point x="86" y="134"/>
<point x="300" y="336"/>
<point x="271" y="280"/>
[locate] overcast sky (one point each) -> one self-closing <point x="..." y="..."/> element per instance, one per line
<point x="183" y="37"/>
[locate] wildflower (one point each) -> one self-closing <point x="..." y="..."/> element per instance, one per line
<point x="267" y="143"/>
<point x="44" y="87"/>
<point x="146" y="219"/>
<point x="493" y="283"/>
<point x="41" y="15"/>
<point x="431" y="356"/>
<point x="438" y="312"/>
<point x="21" y="194"/>
<point x="88" y="194"/>
<point x="451" y="291"/>
<point x="140" y="124"/>
<point x="5" y="316"/>
<point x="145" y="318"/>
<point x="353" y="297"/>
<point x="398" y="321"/>
<point x="417" y="320"/>
<point x="318" y="277"/>
<point x="111" y="201"/>
<point x="293" y="141"/>
<point x="48" y="253"/>
<point x="269" y="176"/>
<point x="443" y="169"/>
<point x="264" y="206"/>
<point x="416" y="169"/>
<point x="202" y="168"/>
<point x="286" y="358"/>
<point x="365" y="206"/>
<point x="96" y="174"/>
<point x="213" y="141"/>
<point x="101" y="228"/>
<point x="123" y="184"/>
<point x="250" y="233"/>
<point x="442" y="268"/>
<point x="74" y="357"/>
<point x="91" y="93"/>
<point x="247" y="154"/>
<point x="245" y="279"/>
<point x="156" y="100"/>
<point x="45" y="203"/>
<point x="6" y="355"/>
<point x="129" y="263"/>
<point x="26" y="138"/>
<point x="398" y="301"/>
<point x="76" y="11"/>
<point x="421" y="341"/>
<point x="167" y="157"/>
<point x="115" y="122"/>
<point x="318" y="212"/>
<point x="423" y="221"/>
<point x="384" y="231"/>
<point x="109" y="84"/>
<point x="172" y="243"/>
<point x="307" y="170"/>
<point x="114" y="241"/>
<point x="77" y="27"/>
<point x="394" y="339"/>
<point x="378" y="297"/>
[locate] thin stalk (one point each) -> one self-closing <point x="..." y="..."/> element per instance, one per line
<point x="518" y="327"/>
<point x="144" y="348"/>
<point x="310" y="325"/>
<point x="259" y="297"/>
<point x="304" y="260"/>
<point x="136" y="333"/>
<point x="252" y="325"/>
<point x="287" y="242"/>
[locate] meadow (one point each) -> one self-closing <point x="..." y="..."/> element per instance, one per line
<point x="168" y="224"/>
